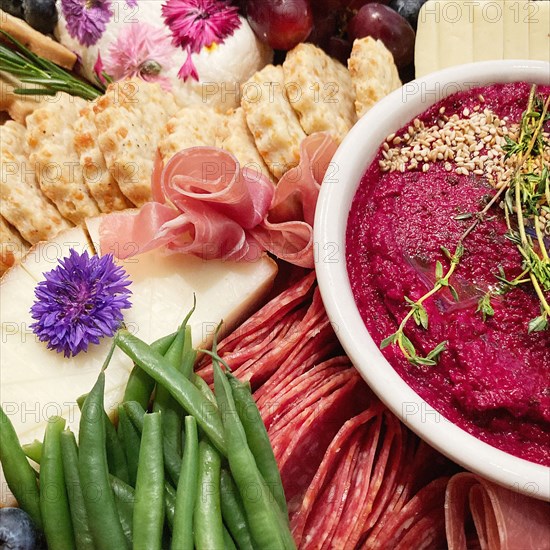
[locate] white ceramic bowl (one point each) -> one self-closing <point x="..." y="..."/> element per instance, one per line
<point x="350" y="162"/>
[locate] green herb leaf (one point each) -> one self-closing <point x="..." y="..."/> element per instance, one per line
<point x="436" y="352"/>
<point x="388" y="341"/>
<point x="538" y="324"/>
<point x="454" y="293"/>
<point x="438" y="270"/>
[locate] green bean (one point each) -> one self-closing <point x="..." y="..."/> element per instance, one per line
<point x="124" y="498"/>
<point x="81" y="528"/>
<point x="207" y="519"/>
<point x="54" y="503"/>
<point x="268" y="527"/>
<point x="33" y="450"/>
<point x="228" y="542"/>
<point x="165" y="403"/>
<point x="131" y="439"/>
<point x="233" y="512"/>
<point x="189" y="354"/>
<point x="172" y="460"/>
<point x="140" y="385"/>
<point x="149" y="503"/>
<point x="182" y="532"/>
<point x="184" y="392"/>
<point x="204" y="388"/>
<point x="116" y="458"/>
<point x="170" y="497"/>
<point x="19" y="474"/>
<point x="94" y="473"/>
<point x="258" y="440"/>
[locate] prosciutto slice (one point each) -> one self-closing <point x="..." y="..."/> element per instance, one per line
<point x="206" y="205"/>
<point x="503" y="519"/>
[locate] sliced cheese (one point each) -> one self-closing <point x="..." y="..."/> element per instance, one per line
<point x="453" y="32"/>
<point x="36" y="383"/>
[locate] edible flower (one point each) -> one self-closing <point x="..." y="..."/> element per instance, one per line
<point x="86" y="19"/>
<point x="80" y="301"/>
<point x="140" y="50"/>
<point x="196" y="24"/>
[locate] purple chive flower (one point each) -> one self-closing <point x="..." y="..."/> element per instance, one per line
<point x="86" y="19"/>
<point x="79" y="302"/>
<point x="196" y="24"/>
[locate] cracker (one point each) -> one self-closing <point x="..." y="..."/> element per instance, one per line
<point x="236" y="138"/>
<point x="12" y="246"/>
<point x="272" y="120"/>
<point x="320" y="90"/>
<point x="190" y="127"/>
<point x="102" y="185"/>
<point x="22" y="203"/>
<point x="50" y="141"/>
<point x="373" y="73"/>
<point x="129" y="119"/>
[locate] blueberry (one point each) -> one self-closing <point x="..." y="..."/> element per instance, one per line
<point x="17" y="530"/>
<point x="409" y="9"/>
<point x="40" y="14"/>
<point x="13" y="7"/>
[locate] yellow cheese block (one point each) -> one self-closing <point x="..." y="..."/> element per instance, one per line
<point x="36" y="383"/>
<point x="453" y="32"/>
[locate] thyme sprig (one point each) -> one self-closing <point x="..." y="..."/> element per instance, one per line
<point x="526" y="197"/>
<point x="47" y="77"/>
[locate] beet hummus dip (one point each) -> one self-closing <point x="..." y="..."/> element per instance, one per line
<point x="493" y="379"/>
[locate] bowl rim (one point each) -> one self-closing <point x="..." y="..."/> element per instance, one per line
<point x="339" y="185"/>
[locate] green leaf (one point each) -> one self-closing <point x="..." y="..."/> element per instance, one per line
<point x="408" y="345"/>
<point x="538" y="324"/>
<point x="438" y="270"/>
<point x="454" y="293"/>
<point x="434" y="354"/>
<point x="446" y="252"/>
<point x="424" y="361"/>
<point x="484" y="306"/>
<point x="420" y="315"/>
<point x="388" y="341"/>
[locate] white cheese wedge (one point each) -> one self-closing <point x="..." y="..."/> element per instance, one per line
<point x="36" y="383"/>
<point x="453" y="32"/>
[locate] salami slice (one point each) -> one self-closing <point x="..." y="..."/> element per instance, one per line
<point x="304" y="525"/>
<point x="302" y="444"/>
<point x="427" y="503"/>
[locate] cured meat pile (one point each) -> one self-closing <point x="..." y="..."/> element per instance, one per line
<point x="354" y="476"/>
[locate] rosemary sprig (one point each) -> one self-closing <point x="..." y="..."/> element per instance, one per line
<point x="527" y="195"/>
<point x="47" y="77"/>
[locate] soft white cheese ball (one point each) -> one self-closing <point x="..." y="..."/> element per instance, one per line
<point x="222" y="69"/>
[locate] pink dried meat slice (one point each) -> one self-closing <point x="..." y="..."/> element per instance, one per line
<point x="308" y="406"/>
<point x="503" y="519"/>
<point x="303" y="444"/>
<point x="299" y="387"/>
<point x="314" y="347"/>
<point x="360" y="511"/>
<point x="427" y="503"/>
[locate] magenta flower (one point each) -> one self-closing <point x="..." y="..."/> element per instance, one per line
<point x="196" y="24"/>
<point x="79" y="302"/>
<point x="86" y="19"/>
<point x="140" y="50"/>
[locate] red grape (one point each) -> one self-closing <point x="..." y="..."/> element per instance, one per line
<point x="381" y="22"/>
<point x="280" y="23"/>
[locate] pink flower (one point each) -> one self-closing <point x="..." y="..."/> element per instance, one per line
<point x="140" y="50"/>
<point x="199" y="23"/>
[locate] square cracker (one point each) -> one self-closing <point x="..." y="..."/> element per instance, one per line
<point x="12" y="246"/>
<point x="373" y="73"/>
<point x="129" y="119"/>
<point x="237" y="139"/>
<point x="320" y="90"/>
<point x="102" y="185"/>
<point x="272" y="120"/>
<point x="22" y="202"/>
<point x="190" y="127"/>
<point x="50" y="142"/>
